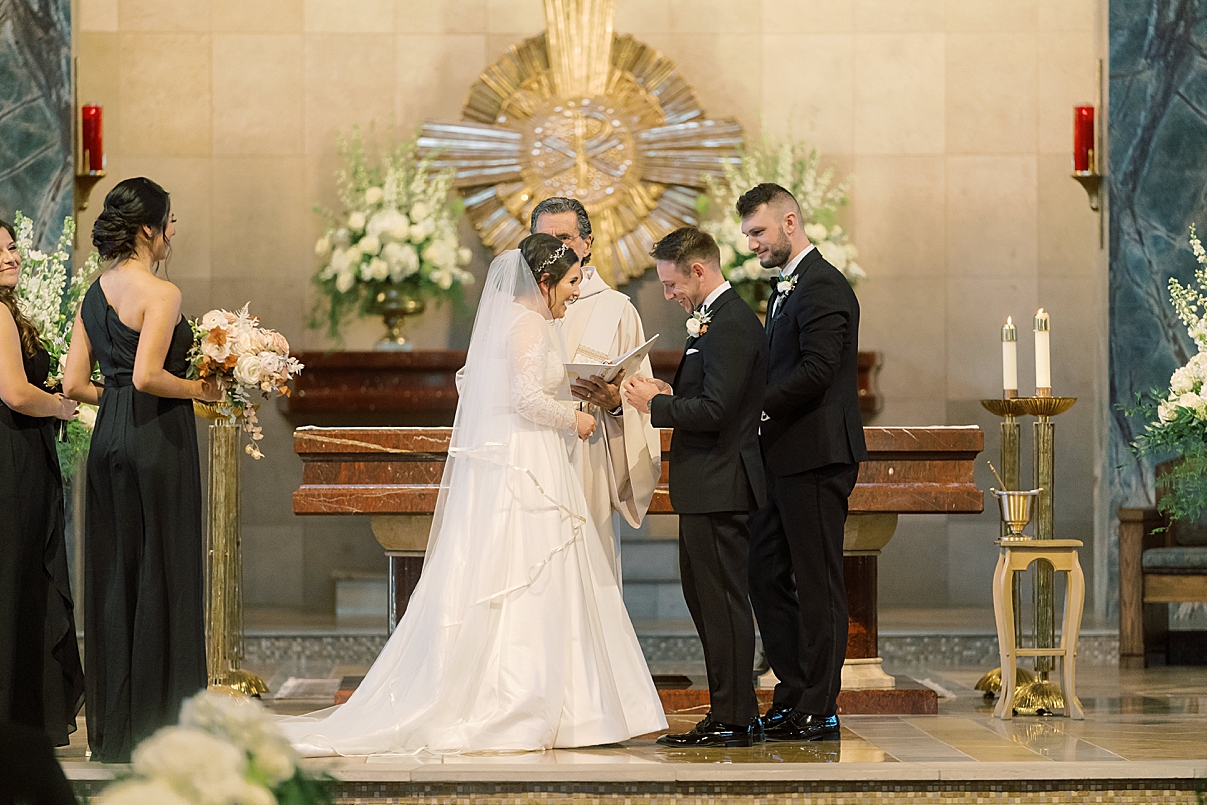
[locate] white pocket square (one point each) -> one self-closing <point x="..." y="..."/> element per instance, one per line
<point x="692" y="351"/>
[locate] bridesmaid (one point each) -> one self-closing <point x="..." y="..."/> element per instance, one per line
<point x="41" y="681"/>
<point x="143" y="572"/>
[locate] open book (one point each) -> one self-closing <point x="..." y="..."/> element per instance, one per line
<point x="608" y="371"/>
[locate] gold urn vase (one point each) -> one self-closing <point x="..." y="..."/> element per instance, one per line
<point x="394" y="303"/>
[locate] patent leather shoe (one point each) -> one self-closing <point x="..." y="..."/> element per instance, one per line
<point x="777" y="715"/>
<point x="806" y="727"/>
<point x="715" y="733"/>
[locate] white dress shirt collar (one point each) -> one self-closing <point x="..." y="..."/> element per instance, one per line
<point x="712" y="297"/>
<point x="787" y="270"/>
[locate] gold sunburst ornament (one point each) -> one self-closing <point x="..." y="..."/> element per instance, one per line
<point x="583" y="112"/>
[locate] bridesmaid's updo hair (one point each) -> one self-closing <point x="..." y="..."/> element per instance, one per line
<point x="548" y="258"/>
<point x="130" y="206"/>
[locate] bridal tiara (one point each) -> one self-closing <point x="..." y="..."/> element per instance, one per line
<point x="553" y="258"/>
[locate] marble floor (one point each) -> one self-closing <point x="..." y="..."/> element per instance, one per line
<point x="1140" y="724"/>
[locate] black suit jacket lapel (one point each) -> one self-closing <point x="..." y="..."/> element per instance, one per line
<point x="802" y="267"/>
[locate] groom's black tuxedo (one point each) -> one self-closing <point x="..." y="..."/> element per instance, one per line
<point x="716" y="479"/>
<point x="812" y="442"/>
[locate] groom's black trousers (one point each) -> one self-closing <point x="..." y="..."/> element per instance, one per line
<point x="796" y="584"/>
<point x="713" y="553"/>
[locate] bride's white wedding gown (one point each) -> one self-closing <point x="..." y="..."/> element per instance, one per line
<point x="516" y="637"/>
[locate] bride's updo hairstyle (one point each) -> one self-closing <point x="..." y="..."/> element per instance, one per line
<point x="548" y="258"/>
<point x="130" y="206"/>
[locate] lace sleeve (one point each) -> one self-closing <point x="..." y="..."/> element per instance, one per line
<point x="528" y="351"/>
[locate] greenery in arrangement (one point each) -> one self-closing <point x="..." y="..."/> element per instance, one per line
<point x="798" y="168"/>
<point x="49" y="295"/>
<point x="398" y="229"/>
<point x="1177" y="417"/>
<point x="226" y="750"/>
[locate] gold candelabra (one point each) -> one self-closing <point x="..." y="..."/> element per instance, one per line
<point x="224" y="572"/>
<point x="1036" y="696"/>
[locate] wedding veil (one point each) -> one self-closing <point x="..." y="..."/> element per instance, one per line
<point x="477" y="468"/>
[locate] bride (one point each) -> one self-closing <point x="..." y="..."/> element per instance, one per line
<point x="516" y="637"/>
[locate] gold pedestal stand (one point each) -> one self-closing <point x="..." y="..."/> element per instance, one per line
<point x="1009" y="409"/>
<point x="1040" y="696"/>
<point x="224" y="572"/>
<point x="395" y="305"/>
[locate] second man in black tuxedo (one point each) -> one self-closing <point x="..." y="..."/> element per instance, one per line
<point x="716" y="473"/>
<point x="812" y="440"/>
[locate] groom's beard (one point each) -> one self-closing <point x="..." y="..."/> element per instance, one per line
<point x="778" y="254"/>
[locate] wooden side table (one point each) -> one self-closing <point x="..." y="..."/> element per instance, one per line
<point x="1016" y="557"/>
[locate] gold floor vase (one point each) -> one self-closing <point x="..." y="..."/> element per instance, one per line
<point x="224" y="571"/>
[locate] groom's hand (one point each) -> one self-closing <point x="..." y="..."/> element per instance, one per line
<point x="640" y="390"/>
<point x="598" y="391"/>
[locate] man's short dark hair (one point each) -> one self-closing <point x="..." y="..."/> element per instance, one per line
<point x="559" y="204"/>
<point x="688" y="245"/>
<point x="765" y="193"/>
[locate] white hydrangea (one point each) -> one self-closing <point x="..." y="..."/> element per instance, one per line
<point x="816" y="233"/>
<point x="201" y="767"/>
<point x="373" y="196"/>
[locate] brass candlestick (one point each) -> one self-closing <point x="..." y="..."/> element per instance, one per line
<point x="1009" y="409"/>
<point x="1041" y="697"/>
<point x="224" y="572"/>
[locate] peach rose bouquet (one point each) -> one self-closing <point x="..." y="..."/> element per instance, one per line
<point x="247" y="359"/>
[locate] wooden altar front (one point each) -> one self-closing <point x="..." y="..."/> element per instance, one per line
<point x="394" y="474"/>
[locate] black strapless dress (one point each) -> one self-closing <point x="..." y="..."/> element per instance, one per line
<point x="41" y="680"/>
<point x="144" y="626"/>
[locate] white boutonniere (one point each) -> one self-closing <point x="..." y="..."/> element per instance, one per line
<point x="786" y="285"/>
<point x="697" y="325"/>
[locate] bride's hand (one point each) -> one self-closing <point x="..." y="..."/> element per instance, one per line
<point x="585" y="423"/>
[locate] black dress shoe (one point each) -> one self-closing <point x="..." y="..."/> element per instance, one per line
<point x="716" y="733"/>
<point x="777" y="715"/>
<point x="805" y="727"/>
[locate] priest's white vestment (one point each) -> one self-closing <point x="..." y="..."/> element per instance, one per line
<point x="621" y="463"/>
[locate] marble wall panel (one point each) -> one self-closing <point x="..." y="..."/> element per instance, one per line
<point x="809" y="16"/>
<point x="1157" y="187"/>
<point x="164" y="15"/>
<point x="808" y="89"/>
<point x="262" y="16"/>
<point x="97" y="15"/>
<point x="448" y="17"/>
<point x="258" y="91"/>
<point x="991" y="93"/>
<point x="899" y="93"/>
<point x="36" y="148"/>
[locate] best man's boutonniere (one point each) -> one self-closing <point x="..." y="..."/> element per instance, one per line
<point x="786" y="286"/>
<point x="697" y="325"/>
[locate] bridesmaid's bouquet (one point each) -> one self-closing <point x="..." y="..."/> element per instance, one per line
<point x="247" y="359"/>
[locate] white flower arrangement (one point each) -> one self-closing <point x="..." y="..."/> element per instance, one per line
<point x="798" y="168"/>
<point x="248" y="359"/>
<point x="45" y="294"/>
<point x="1177" y="417"/>
<point x="398" y="228"/>
<point x="226" y="750"/>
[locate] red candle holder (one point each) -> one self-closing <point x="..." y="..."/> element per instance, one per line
<point x="1083" y="140"/>
<point x="91" y="138"/>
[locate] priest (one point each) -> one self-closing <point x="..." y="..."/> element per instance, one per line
<point x="622" y="461"/>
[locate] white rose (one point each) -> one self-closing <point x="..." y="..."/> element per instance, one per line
<point x="422" y="230"/>
<point x="356" y="221"/>
<point x="272" y="366"/>
<point x="370" y="245"/>
<point x="1189" y="400"/>
<point x="216" y="352"/>
<point x="835" y="254"/>
<point x="322" y="246"/>
<point x="816" y="233"/>
<point x="1181" y="381"/>
<point x="693" y="327"/>
<point x="87" y="416"/>
<point x="247" y="370"/>
<point x="373" y="196"/>
<point x="203" y="767"/>
<point x="345" y="281"/>
<point x="1166" y="410"/>
<point x="464" y="255"/>
<point x="378" y="269"/>
<point x="400" y="228"/>
<point x="419" y="213"/>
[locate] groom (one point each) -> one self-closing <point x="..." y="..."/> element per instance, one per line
<point x="716" y="473"/>
<point x="812" y="439"/>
